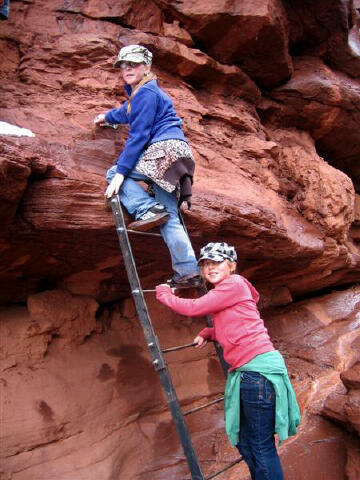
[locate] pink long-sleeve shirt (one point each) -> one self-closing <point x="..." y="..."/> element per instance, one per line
<point x="237" y="325"/>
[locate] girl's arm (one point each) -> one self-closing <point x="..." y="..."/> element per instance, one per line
<point x="117" y="115"/>
<point x="221" y="297"/>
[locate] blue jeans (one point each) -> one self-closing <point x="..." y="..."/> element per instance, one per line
<point x="257" y="427"/>
<point x="5" y="10"/>
<point x="137" y="202"/>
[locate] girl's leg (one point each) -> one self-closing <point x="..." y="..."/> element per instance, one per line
<point x="132" y="195"/>
<point x="182" y="254"/>
<point x="137" y="202"/>
<point x="257" y="427"/>
<point x="245" y="450"/>
<point x="134" y="198"/>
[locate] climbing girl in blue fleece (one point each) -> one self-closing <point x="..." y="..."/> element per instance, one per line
<point x="259" y="399"/>
<point x="156" y="152"/>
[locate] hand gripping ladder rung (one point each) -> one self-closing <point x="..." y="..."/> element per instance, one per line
<point x="154" y="348"/>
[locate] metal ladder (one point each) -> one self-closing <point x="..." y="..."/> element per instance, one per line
<point x="155" y="350"/>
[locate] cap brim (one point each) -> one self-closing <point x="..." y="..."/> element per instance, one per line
<point x="117" y="63"/>
<point x="130" y="57"/>
<point x="218" y="259"/>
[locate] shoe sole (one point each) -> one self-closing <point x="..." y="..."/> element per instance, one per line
<point x="178" y="286"/>
<point x="197" y="284"/>
<point x="144" y="225"/>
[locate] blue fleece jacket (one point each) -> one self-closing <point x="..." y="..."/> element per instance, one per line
<point x="152" y="118"/>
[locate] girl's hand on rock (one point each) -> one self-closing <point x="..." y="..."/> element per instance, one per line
<point x="99" y="119"/>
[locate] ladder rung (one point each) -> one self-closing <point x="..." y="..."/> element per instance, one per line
<point x="196" y="409"/>
<point x="224" y="469"/>
<point x="180" y="347"/>
<point x="145" y="233"/>
<point x="176" y="288"/>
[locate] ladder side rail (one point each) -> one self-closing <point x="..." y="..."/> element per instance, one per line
<point x="153" y="344"/>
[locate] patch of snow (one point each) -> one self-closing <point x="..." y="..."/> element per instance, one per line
<point x="13" y="130"/>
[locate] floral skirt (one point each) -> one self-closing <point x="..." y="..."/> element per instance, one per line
<point x="159" y="157"/>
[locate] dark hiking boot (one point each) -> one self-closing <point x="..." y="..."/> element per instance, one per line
<point x="156" y="216"/>
<point x="192" y="282"/>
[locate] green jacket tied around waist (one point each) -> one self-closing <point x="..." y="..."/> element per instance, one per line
<point x="287" y="414"/>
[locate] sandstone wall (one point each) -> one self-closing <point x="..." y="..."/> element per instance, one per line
<point x="269" y="92"/>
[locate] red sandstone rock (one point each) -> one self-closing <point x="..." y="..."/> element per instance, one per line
<point x="80" y="393"/>
<point x="353" y="464"/>
<point x="63" y="315"/>
<point x="253" y="35"/>
<point x="329" y="29"/>
<point x="351" y="377"/>
<point x="89" y="406"/>
<point x="326" y="103"/>
<point x="144" y="15"/>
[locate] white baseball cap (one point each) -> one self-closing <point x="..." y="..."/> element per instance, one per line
<point x="134" y="53"/>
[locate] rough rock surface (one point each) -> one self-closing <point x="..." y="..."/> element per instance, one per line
<point x="269" y="92"/>
<point x="90" y="407"/>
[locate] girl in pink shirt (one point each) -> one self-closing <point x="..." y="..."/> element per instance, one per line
<point x="252" y="359"/>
